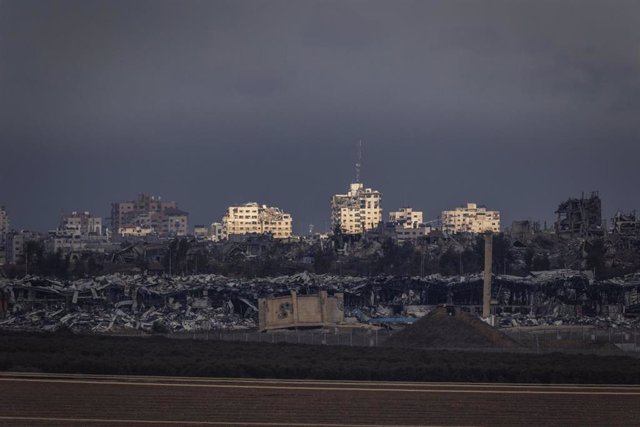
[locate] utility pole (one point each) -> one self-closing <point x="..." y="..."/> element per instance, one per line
<point x="488" y="263"/>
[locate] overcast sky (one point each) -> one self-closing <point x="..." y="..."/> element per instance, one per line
<point x="513" y="104"/>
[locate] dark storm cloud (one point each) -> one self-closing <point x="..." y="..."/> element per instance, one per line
<point x="510" y="103"/>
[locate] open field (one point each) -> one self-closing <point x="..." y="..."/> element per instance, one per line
<point x="68" y="400"/>
<point x="88" y="354"/>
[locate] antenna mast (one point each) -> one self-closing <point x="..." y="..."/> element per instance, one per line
<point x="359" y="162"/>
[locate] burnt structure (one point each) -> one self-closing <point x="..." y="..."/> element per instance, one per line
<point x="580" y="218"/>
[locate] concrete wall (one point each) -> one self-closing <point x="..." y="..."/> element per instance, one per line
<point x="300" y="311"/>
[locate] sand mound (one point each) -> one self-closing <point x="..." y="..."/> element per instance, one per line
<point x="450" y="328"/>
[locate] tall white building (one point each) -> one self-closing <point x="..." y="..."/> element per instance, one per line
<point x="470" y="219"/>
<point x="357" y="211"/>
<point x="252" y="218"/>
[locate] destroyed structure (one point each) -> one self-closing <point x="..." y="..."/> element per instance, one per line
<point x="300" y="311"/>
<point x="252" y="218"/>
<point x="203" y="302"/>
<point x="626" y="225"/>
<point x="148" y="215"/>
<point x="580" y="218"/>
<point x="4" y="229"/>
<point x="405" y="224"/>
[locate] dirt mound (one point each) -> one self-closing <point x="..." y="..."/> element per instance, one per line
<point x="449" y="327"/>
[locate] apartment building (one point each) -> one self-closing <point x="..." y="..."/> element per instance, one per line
<point x="406" y="217"/>
<point x="149" y="212"/>
<point x="357" y="211"/>
<point x="470" y="219"/>
<point x="216" y="231"/>
<point x="83" y="222"/>
<point x="252" y="218"/>
<point x="15" y="245"/>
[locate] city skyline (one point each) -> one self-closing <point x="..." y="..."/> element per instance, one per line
<point x="222" y="103"/>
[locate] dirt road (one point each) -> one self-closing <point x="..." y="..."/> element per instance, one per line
<point x="69" y="400"/>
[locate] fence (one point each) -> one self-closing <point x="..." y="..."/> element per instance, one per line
<point x="582" y="339"/>
<point x="565" y="339"/>
<point x="351" y="337"/>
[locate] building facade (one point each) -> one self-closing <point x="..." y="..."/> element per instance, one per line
<point x="252" y="218"/>
<point x="4" y="223"/>
<point x="406" y="217"/>
<point x="470" y="219"/>
<point x="4" y="229"/>
<point x="149" y="212"/>
<point x="216" y="231"/>
<point x="357" y="211"/>
<point x="580" y="217"/>
<point x="83" y="222"/>
<point x="15" y="245"/>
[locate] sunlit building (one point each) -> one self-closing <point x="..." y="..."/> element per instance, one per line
<point x="406" y="217"/>
<point x="252" y="218"/>
<point x="357" y="211"/>
<point x="470" y="219"/>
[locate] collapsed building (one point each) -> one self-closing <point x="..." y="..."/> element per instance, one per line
<point x="296" y="311"/>
<point x="580" y="218"/>
<point x="626" y="225"/>
<point x="204" y="302"/>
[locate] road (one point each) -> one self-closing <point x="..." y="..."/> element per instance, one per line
<point x="92" y="400"/>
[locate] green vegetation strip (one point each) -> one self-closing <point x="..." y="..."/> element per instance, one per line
<point x="88" y="354"/>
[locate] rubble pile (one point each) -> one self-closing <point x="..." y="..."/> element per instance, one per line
<point x="452" y="328"/>
<point x="203" y="302"/>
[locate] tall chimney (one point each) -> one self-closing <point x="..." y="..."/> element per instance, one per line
<point x="488" y="262"/>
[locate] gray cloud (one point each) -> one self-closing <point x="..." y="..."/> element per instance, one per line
<point x="515" y="104"/>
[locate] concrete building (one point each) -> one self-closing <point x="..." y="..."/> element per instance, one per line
<point x="83" y="222"/>
<point x="580" y="217"/>
<point x="406" y="217"/>
<point x="626" y="224"/>
<point x="15" y="245"/>
<point x="293" y="311"/>
<point x="470" y="219"/>
<point x="69" y="241"/>
<point x="164" y="218"/>
<point x="357" y="211"/>
<point x="4" y="223"/>
<point x="216" y="231"/>
<point x="252" y="218"/>
<point x="201" y="232"/>
<point x="135" y="231"/>
<point x="4" y="229"/>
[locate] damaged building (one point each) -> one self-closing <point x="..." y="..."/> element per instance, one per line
<point x="580" y="218"/>
<point x="210" y="302"/>
<point x="300" y="311"/>
<point x="626" y="225"/>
